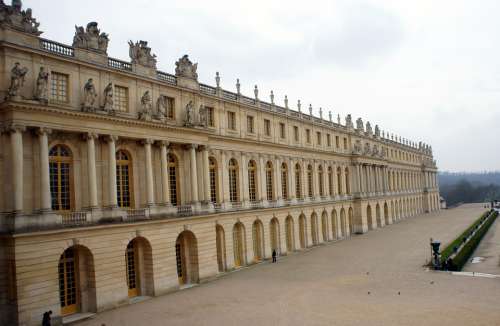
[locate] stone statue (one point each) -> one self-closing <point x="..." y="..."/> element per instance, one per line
<point x="16" y="18"/>
<point x="359" y="125"/>
<point x="310" y="110"/>
<point x="384" y="152"/>
<point x="271" y="96"/>
<point x="161" y="107"/>
<point x="108" y="98"/>
<point x="89" y="96"/>
<point x="375" y="151"/>
<point x="330" y="115"/>
<point x="286" y="102"/>
<point x="369" y="130"/>
<point x="17" y="75"/>
<point x="357" y="147"/>
<point x="367" y="149"/>
<point x="320" y="113"/>
<point x="348" y="121"/>
<point x="91" y="38"/>
<point x="238" y="86"/>
<point x="202" y="114"/>
<point x="217" y="79"/>
<point x="42" y="86"/>
<point x="298" y="106"/>
<point x="140" y="54"/>
<point x="185" y="68"/>
<point x="256" y="92"/>
<point x="189" y="114"/>
<point x="146" y="107"/>
<point x="338" y="120"/>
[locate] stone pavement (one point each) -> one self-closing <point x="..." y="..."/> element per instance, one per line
<point x="489" y="249"/>
<point x="372" y="279"/>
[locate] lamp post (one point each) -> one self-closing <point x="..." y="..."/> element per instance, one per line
<point x="435" y="252"/>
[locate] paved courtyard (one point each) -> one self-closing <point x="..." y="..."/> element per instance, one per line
<point x="372" y="279"/>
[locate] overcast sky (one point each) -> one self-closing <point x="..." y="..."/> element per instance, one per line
<point x="426" y="70"/>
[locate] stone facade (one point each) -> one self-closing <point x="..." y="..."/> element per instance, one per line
<point x="102" y="159"/>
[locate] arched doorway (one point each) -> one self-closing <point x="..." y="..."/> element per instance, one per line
<point x="343" y="227"/>
<point x="334" y="225"/>
<point x="386" y="214"/>
<point x="369" y="219"/>
<point x="302" y="231"/>
<point x="378" y="216"/>
<point x="77" y="292"/>
<point x="220" y="239"/>
<point x="275" y="235"/>
<point x="186" y="253"/>
<point x="289" y="234"/>
<point x="350" y="221"/>
<point x="324" y="226"/>
<point x="258" y="240"/>
<point x="139" y="267"/>
<point x="314" y="229"/>
<point x="239" y="244"/>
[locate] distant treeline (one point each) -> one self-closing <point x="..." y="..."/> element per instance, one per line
<point x="469" y="187"/>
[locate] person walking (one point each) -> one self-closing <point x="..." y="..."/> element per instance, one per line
<point x="46" y="318"/>
<point x="274" y="255"/>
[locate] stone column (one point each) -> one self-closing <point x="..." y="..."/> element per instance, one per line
<point x="315" y="178"/>
<point x="150" y="195"/>
<point x="112" y="200"/>
<point x="165" y="185"/>
<point x="45" y="202"/>
<point x="206" y="174"/>
<point x="262" y="181"/>
<point x="245" y="194"/>
<point x="305" y="193"/>
<point x="194" y="177"/>
<point x="277" y="173"/>
<point x="343" y="183"/>
<point x="291" y="179"/>
<point x="91" y="169"/>
<point x="16" y="144"/>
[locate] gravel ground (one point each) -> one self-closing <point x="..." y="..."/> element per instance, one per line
<point x="372" y="279"/>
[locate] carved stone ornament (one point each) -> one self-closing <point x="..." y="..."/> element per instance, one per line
<point x="357" y="147"/>
<point x="375" y="151"/>
<point x="189" y="122"/>
<point x="161" y="107"/>
<point x="359" y="125"/>
<point x="367" y="149"/>
<point x="185" y="68"/>
<point x="91" y="38"/>
<point x="348" y="121"/>
<point x="17" y="75"/>
<point x="202" y="115"/>
<point x="383" y="153"/>
<point x="42" y="86"/>
<point x="89" y="96"/>
<point x="108" y="99"/>
<point x="140" y="54"/>
<point x="377" y="131"/>
<point x="146" y="112"/>
<point x="369" y="130"/>
<point x="22" y="20"/>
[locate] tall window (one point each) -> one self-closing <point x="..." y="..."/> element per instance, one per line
<point x="298" y="181"/>
<point x="269" y="180"/>
<point x="339" y="180"/>
<point x="310" y="192"/>
<point x="231" y="120"/>
<point x="284" y="181"/>
<point x="337" y="142"/>
<point x="120" y="98"/>
<point x="123" y="176"/>
<point x="233" y="181"/>
<point x="212" y="171"/>
<point x="59" y="87"/>
<point x="250" y="124"/>
<point x="267" y="127"/>
<point x="318" y="138"/>
<point x="282" y="130"/>
<point x="320" y="181"/>
<point x="173" y="180"/>
<point x="308" y="136"/>
<point x="68" y="288"/>
<point x="345" y="143"/>
<point x="330" y="181"/>
<point x="60" y="161"/>
<point x="210" y="117"/>
<point x="170" y="108"/>
<point x="296" y="133"/>
<point x="328" y="140"/>
<point x="252" y="181"/>
<point x="347" y="183"/>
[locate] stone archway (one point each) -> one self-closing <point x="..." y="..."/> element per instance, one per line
<point x="369" y="218"/>
<point x="139" y="267"/>
<point x="220" y="239"/>
<point x="302" y="231"/>
<point x="386" y="214"/>
<point x="258" y="240"/>
<point x="314" y="229"/>
<point x="335" y="227"/>
<point x="239" y="245"/>
<point x="186" y="253"/>
<point x="343" y="226"/>
<point x="324" y="226"/>
<point x="290" y="243"/>
<point x="274" y="228"/>
<point x="378" y="216"/>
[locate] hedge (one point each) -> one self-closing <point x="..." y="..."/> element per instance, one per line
<point x="448" y="251"/>
<point x="468" y="249"/>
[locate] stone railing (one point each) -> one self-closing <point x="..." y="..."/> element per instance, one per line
<point x="255" y="204"/>
<point x="119" y="64"/>
<point x="266" y="105"/>
<point x="57" y="48"/>
<point x="184" y="210"/>
<point x="74" y="218"/>
<point x="170" y="79"/>
<point x="137" y="214"/>
<point x="248" y="100"/>
<point x="208" y="89"/>
<point x="229" y="95"/>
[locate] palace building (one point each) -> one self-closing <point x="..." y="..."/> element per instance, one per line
<point x="123" y="181"/>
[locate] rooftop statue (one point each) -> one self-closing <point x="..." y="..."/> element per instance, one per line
<point x="185" y="68"/>
<point x="14" y="17"/>
<point x="140" y="54"/>
<point x="369" y="129"/>
<point x="348" y="121"/>
<point x="91" y="38"/>
<point x="359" y="125"/>
<point x="377" y="131"/>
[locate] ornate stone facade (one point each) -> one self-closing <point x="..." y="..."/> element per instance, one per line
<point x="106" y="162"/>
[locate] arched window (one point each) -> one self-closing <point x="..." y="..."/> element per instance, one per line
<point x="252" y="181"/>
<point x="233" y="181"/>
<point x="330" y="181"/>
<point x="310" y="192"/>
<point x="60" y="170"/>
<point x="269" y="180"/>
<point x="173" y="180"/>
<point x="339" y="180"/>
<point x="320" y="181"/>
<point x="123" y="179"/>
<point x="347" y="183"/>
<point x="212" y="172"/>
<point x="284" y="181"/>
<point x="298" y="181"/>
